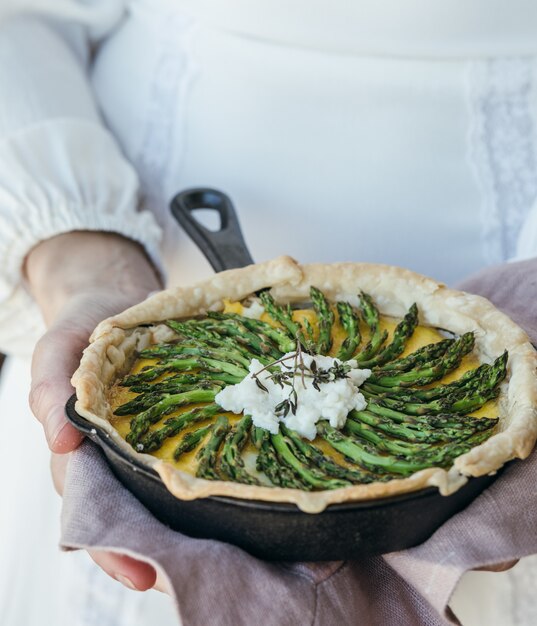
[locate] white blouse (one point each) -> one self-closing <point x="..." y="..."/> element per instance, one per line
<point x="395" y="132"/>
<point x="384" y="132"/>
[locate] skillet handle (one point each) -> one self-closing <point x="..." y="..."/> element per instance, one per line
<point x="225" y="248"/>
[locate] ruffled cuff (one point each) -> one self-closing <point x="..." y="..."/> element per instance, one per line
<point x="55" y="177"/>
<point x="61" y="176"/>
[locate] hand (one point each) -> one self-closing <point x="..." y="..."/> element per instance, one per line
<point x="499" y="567"/>
<point x="79" y="279"/>
<point x="512" y="288"/>
<point x="133" y="574"/>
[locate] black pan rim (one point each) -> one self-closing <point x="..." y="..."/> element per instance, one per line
<point x="103" y="439"/>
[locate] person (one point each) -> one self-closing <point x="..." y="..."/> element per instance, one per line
<point x="350" y="131"/>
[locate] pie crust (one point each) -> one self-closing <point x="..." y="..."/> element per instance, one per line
<point x="116" y="340"/>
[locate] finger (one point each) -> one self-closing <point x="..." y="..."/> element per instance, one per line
<point x="130" y="572"/>
<point x="56" y="357"/>
<point x="499" y="567"/>
<point x="58" y="467"/>
<point x="162" y="583"/>
<point x="133" y="574"/>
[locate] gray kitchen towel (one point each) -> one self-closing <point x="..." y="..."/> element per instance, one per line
<point x="411" y="587"/>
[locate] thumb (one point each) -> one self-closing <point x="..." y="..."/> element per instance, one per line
<point x="55" y="358"/>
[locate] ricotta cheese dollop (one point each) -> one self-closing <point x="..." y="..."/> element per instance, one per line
<point x="315" y="388"/>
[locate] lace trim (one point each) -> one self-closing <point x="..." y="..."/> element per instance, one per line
<point x="502" y="149"/>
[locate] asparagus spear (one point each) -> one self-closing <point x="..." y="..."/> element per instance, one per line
<point x="309" y="453"/>
<point x="371" y="317"/>
<point x="140" y="403"/>
<point x="140" y="423"/>
<point x="208" y="454"/>
<point x="411" y="451"/>
<point x="195" y="331"/>
<point x="358" y="454"/>
<point x="400" y="431"/>
<point x="460" y="403"/>
<point x="351" y="324"/>
<point x="180" y="379"/>
<point x="308" y="335"/>
<point x="174" y="351"/>
<point x="191" y="328"/>
<point x="276" y="335"/>
<point x="396" y="447"/>
<point x="438" y="420"/>
<point x="187" y="364"/>
<point x="468" y="382"/>
<point x="231" y="462"/>
<point x="311" y="476"/>
<point x="234" y="327"/>
<point x="142" y="387"/>
<point x="467" y="394"/>
<point x="172" y="383"/>
<point x="415" y="394"/>
<point x="284" y="316"/>
<point x="435" y="371"/>
<point x="428" y="429"/>
<point x="403" y="331"/>
<point x="325" y="317"/>
<point x="232" y="330"/>
<point x="191" y="440"/>
<point x="143" y="384"/>
<point x="430" y="454"/>
<point x="421" y="356"/>
<point x="257" y="436"/>
<point x="279" y="474"/>
<point x="146" y="400"/>
<point x="150" y="372"/>
<point x="154" y="439"/>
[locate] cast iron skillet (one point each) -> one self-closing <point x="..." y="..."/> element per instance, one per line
<point x="268" y="530"/>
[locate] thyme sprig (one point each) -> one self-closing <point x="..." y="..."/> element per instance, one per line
<point x="295" y="367"/>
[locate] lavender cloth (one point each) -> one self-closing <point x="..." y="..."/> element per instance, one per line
<point x="411" y="587"/>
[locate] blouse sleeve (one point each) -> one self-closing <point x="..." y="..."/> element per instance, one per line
<point x="60" y="169"/>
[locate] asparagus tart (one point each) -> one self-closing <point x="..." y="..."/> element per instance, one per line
<point x="313" y="384"/>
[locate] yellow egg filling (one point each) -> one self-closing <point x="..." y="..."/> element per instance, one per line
<point x="187" y="462"/>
